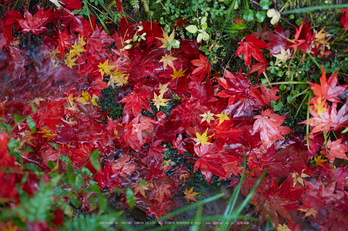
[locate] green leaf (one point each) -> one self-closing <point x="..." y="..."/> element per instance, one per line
<point x="298" y="21"/>
<point x="75" y="202"/>
<point x="85" y="171"/>
<point x="13" y="143"/>
<point x="248" y="15"/>
<point x="31" y="124"/>
<point x="239" y="26"/>
<point x="55" y="145"/>
<point x="17" y="155"/>
<point x="69" y="169"/>
<point x="27" y="149"/>
<point x="260" y="15"/>
<point x="24" y="179"/>
<point x="94" y="160"/>
<point x="51" y="164"/>
<point x="282" y="87"/>
<point x="265" y="4"/>
<point x="17" y="118"/>
<point x="204" y="26"/>
<point x="33" y="107"/>
<point x="6" y="126"/>
<point x="32" y="167"/>
<point x="199" y="37"/>
<point x="192" y="29"/>
<point x="102" y="203"/>
<point x="94" y="186"/>
<point x="65" y="159"/>
<point x="143" y="183"/>
<point x="130" y="198"/>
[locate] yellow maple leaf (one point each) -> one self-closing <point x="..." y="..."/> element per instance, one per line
<point x="105" y="68"/>
<point x="47" y="133"/>
<point x="310" y="211"/>
<point x="222" y="117"/>
<point x="163" y="88"/>
<point x="71" y="104"/>
<point x="37" y="100"/>
<point x="118" y="78"/>
<point x="55" y="64"/>
<point x="81" y="42"/>
<point x="166" y="39"/>
<point x="159" y="101"/>
<point x="283" y="227"/>
<point x="319" y="161"/>
<point x="168" y="164"/>
<point x="70" y="62"/>
<point x="10" y="228"/>
<point x="283" y="56"/>
<point x="178" y="74"/>
<point x="94" y="100"/>
<point x="190" y="195"/>
<point x="85" y="97"/>
<point x="297" y="178"/>
<point x="207" y="117"/>
<point x="320" y="37"/>
<point x="167" y="60"/>
<point x="77" y="49"/>
<point x="202" y="139"/>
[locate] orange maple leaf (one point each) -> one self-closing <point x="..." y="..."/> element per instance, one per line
<point x="190" y="195"/>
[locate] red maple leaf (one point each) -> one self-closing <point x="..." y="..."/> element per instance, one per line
<point x="335" y="149"/>
<point x="99" y="41"/>
<point x="35" y="24"/>
<point x="303" y="37"/>
<point x="274" y="201"/>
<point x="137" y="100"/>
<point x="269" y="95"/>
<point x="155" y="151"/>
<point x="52" y="114"/>
<point x="327" y="90"/>
<point x="64" y="42"/>
<point x="72" y="4"/>
<point x="161" y="192"/>
<point x="180" y="145"/>
<point x="203" y="67"/>
<point x="139" y="131"/>
<point x="269" y="125"/>
<point x="344" y="18"/>
<point x="5" y="159"/>
<point x="180" y="22"/>
<point x="242" y="99"/>
<point x="251" y="47"/>
<point x="341" y="175"/>
<point x="259" y="67"/>
<point x="209" y="162"/>
<point x="69" y="19"/>
<point x="328" y="119"/>
<point x="278" y="40"/>
<point x="107" y="178"/>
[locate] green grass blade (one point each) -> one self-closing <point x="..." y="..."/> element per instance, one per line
<point x="198" y="217"/>
<point x="103" y="24"/>
<point x="307" y="9"/>
<point x="230" y="12"/>
<point x="88" y="14"/>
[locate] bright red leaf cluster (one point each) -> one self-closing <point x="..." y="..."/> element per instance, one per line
<point x="210" y="125"/>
